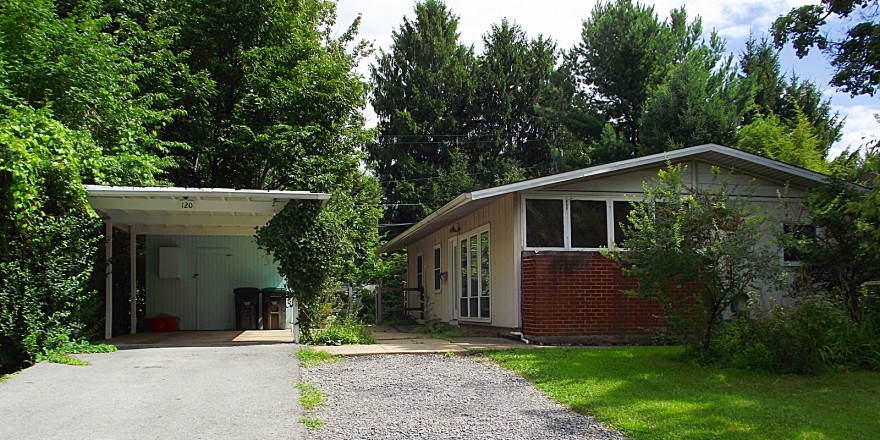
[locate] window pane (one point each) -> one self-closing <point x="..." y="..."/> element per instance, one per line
<point x="473" y="311"/>
<point x="588" y="224"/>
<point x="484" y="307"/>
<point x="621" y="217"/>
<point x="544" y="223"/>
<point x="463" y="311"/>
<point x="463" y="274"/>
<point x="474" y="275"/>
<point x="796" y="232"/>
<point x="484" y="264"/>
<point x="437" y="269"/>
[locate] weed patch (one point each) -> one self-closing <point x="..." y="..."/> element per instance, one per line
<point x="348" y="331"/>
<point x="312" y="423"/>
<point x="309" y="357"/>
<point x="309" y="396"/>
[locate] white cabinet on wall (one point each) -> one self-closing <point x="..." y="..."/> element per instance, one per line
<point x="169" y="262"/>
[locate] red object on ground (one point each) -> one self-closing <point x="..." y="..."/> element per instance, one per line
<point x="163" y="324"/>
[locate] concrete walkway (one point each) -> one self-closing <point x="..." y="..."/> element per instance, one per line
<point x="393" y="340"/>
<point x="244" y="391"/>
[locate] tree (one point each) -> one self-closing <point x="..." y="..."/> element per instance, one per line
<point x="570" y="124"/>
<point x="855" y="56"/>
<point x="787" y="96"/>
<point x="86" y="66"/>
<point x="804" y="98"/>
<point x="423" y="98"/>
<point x="759" y="62"/>
<point x="510" y="75"/>
<point x="625" y="51"/>
<point x="273" y="102"/>
<point x="697" y="103"/>
<point x="696" y="250"/>
<point x="276" y="104"/>
<point x="770" y="137"/>
<point x="846" y="253"/>
<point x="73" y="109"/>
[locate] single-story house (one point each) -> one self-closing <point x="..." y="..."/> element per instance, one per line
<point x="199" y="247"/>
<point x="525" y="257"/>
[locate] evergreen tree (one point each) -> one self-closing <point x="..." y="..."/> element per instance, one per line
<point x="786" y="96"/>
<point x="510" y="75"/>
<point x="697" y="103"/>
<point x="423" y="97"/>
<point x="570" y="123"/>
<point x="771" y="137"/>
<point x="624" y="53"/>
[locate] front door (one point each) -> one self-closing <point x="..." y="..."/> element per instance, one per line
<point x="471" y="275"/>
<point x="215" y="303"/>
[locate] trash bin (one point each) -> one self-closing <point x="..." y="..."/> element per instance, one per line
<point x="246" y="308"/>
<point x="274" y="308"/>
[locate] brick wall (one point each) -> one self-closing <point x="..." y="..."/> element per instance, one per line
<point x="575" y="297"/>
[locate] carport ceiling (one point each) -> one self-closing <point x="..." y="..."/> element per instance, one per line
<point x="190" y="211"/>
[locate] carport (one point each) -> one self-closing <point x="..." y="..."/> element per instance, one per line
<point x="199" y="247"/>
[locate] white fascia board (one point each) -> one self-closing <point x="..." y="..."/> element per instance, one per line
<point x="167" y="204"/>
<point x="132" y="191"/>
<point x="770" y="163"/>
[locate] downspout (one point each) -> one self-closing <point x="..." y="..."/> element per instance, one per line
<point x="519" y="334"/>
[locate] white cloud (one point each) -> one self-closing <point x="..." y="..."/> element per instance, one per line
<point x="861" y="126"/>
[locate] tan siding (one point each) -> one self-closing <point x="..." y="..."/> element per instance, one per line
<point x="501" y="215"/>
<point x="743" y="183"/>
<point x="624" y="183"/>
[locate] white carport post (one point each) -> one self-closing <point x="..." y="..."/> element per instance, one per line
<point x="108" y="281"/>
<point x="132" y="246"/>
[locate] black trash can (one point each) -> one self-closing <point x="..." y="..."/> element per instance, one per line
<point x="274" y="308"/>
<point x="247" y="308"/>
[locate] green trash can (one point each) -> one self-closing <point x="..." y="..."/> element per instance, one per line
<point x="274" y="308"/>
<point x="246" y="308"/>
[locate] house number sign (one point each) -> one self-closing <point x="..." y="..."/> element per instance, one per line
<point x="187" y="204"/>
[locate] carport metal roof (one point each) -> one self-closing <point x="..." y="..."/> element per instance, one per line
<point x="190" y="211"/>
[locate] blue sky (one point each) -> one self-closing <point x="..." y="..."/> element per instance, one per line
<point x="561" y="20"/>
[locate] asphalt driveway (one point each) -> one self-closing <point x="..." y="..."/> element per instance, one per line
<point x="180" y="392"/>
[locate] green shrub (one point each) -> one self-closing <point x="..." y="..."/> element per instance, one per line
<point x="815" y="334"/>
<point x="341" y="331"/>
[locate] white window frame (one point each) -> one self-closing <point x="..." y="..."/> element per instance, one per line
<point x="467" y="235"/>
<point x="566" y="218"/>
<point x="437" y="268"/>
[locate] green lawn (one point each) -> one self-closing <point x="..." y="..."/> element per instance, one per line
<point x="649" y="393"/>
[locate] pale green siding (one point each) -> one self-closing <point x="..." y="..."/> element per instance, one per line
<point x="206" y="302"/>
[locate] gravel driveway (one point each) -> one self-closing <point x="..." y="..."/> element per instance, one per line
<point x="151" y="393"/>
<point x="436" y="397"/>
